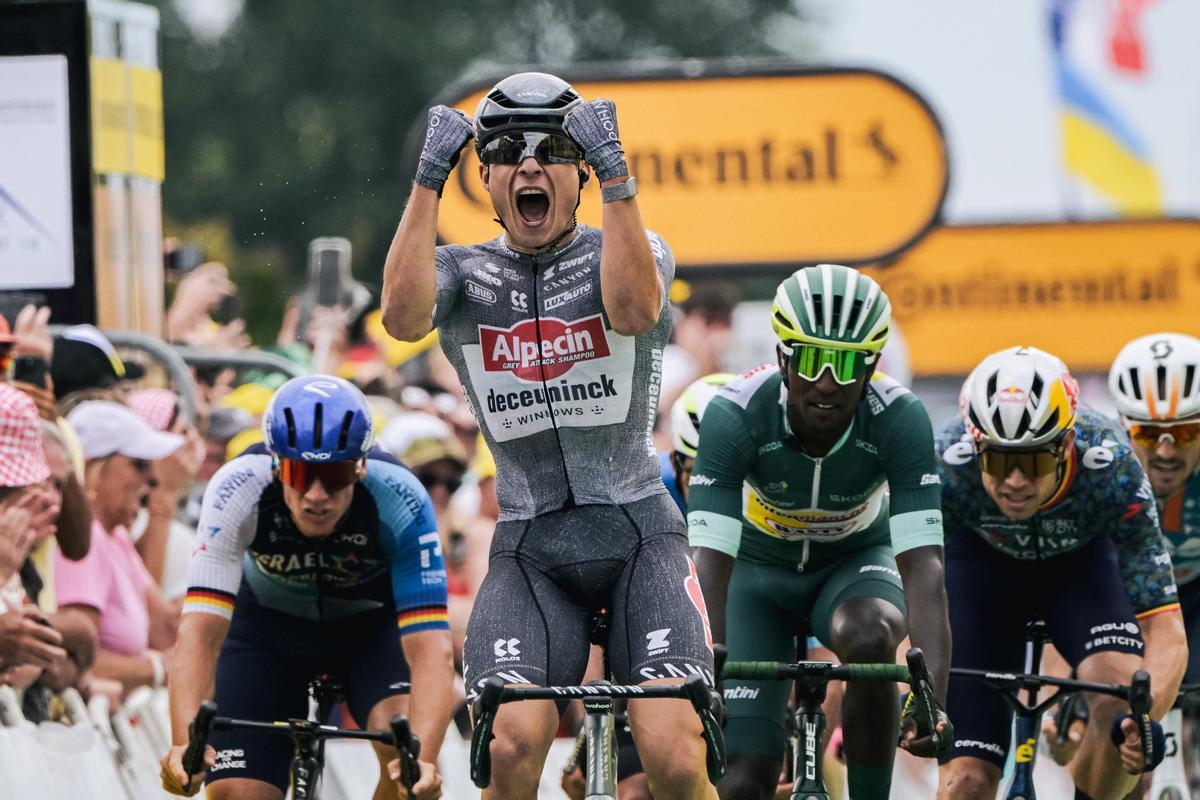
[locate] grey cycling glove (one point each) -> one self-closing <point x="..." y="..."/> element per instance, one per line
<point x="593" y="126"/>
<point x="449" y="129"/>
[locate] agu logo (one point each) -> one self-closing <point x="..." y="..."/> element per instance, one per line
<point x="520" y="351"/>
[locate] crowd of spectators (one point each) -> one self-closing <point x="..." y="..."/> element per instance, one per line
<point x="103" y="467"/>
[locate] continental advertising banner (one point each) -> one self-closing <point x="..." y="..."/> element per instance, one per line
<point x="1078" y="290"/>
<point x="754" y="169"/>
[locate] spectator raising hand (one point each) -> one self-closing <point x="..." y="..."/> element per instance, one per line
<point x="190" y="320"/>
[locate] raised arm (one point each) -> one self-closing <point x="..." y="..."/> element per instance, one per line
<point x="409" y="274"/>
<point x="629" y="280"/>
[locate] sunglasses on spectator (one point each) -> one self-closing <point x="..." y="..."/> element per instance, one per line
<point x="1150" y="435"/>
<point x="547" y="148"/>
<point x="333" y="475"/>
<point x="431" y="479"/>
<point x="1033" y="463"/>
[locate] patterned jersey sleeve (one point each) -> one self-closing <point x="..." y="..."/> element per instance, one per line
<point x="447" y="284"/>
<point x="723" y="460"/>
<point x="225" y="530"/>
<point x="664" y="261"/>
<point x="408" y="530"/>
<point x="954" y="456"/>
<point x="914" y="487"/>
<point x="1144" y="561"/>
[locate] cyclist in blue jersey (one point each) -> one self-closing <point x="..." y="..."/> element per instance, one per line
<point x="557" y="330"/>
<point x="1048" y="512"/>
<point x="306" y="561"/>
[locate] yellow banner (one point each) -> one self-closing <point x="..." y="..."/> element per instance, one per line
<point x="149" y="160"/>
<point x="1078" y="290"/>
<point x="846" y="166"/>
<point x="110" y="121"/>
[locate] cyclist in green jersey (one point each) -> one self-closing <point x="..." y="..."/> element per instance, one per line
<point x="794" y="531"/>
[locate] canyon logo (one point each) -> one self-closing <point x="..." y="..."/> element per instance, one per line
<point x="518" y="350"/>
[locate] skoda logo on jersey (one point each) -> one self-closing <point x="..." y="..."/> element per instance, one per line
<point x="519" y="351"/>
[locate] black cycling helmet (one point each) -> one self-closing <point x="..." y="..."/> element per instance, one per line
<point x="527" y="101"/>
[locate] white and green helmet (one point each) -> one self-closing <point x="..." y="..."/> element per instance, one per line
<point x="831" y="306"/>
<point x="689" y="409"/>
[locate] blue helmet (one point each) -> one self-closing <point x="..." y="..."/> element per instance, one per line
<point x="318" y="418"/>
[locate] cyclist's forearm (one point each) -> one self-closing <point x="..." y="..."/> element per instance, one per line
<point x="928" y="618"/>
<point x="431" y="703"/>
<point x="193" y="670"/>
<point x="1165" y="658"/>
<point x="629" y="281"/>
<point x="410" y="272"/>
<point x="714" y="569"/>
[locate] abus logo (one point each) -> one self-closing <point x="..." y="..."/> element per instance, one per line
<point x="518" y="350"/>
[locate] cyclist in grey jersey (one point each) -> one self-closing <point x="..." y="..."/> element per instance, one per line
<point x="557" y="392"/>
<point x="557" y="331"/>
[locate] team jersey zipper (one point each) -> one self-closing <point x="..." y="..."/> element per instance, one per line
<point x="812" y="505"/>
<point x="537" y="323"/>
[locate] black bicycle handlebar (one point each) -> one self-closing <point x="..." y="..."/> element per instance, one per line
<point x="1136" y="693"/>
<point x="915" y="674"/>
<point x="494" y="693"/>
<point x="400" y="736"/>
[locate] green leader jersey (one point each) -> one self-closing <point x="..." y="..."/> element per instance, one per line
<point x="757" y="496"/>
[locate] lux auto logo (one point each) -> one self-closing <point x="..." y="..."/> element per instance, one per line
<point x="519" y="349"/>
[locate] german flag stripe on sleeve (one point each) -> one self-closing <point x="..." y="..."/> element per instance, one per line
<point x="433" y="616"/>
<point x="210" y="601"/>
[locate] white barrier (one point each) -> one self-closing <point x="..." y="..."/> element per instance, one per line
<point x="103" y="756"/>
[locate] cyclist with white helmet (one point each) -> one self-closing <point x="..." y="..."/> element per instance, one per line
<point x="1155" y="382"/>
<point x="1048" y="513"/>
<point x="686" y="413"/>
<point x="794" y="530"/>
<point x="557" y="331"/>
<point x="312" y="558"/>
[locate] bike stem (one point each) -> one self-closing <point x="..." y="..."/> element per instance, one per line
<point x="599" y="725"/>
<point x="810" y="727"/>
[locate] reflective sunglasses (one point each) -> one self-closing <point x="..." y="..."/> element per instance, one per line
<point x="1149" y="435"/>
<point x="547" y="148"/>
<point x="810" y="360"/>
<point x="1033" y="464"/>
<point x="333" y="475"/>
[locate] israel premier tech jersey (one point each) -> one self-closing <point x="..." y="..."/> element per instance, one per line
<point x="1105" y="492"/>
<point x="385" y="551"/>
<point x="565" y="403"/>
<point x="755" y="494"/>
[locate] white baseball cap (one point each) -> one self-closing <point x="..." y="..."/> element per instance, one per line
<point x="105" y="428"/>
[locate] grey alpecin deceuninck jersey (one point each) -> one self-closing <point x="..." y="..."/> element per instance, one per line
<point x="565" y="403"/>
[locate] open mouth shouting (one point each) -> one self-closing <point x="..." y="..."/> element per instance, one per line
<point x="533" y="206"/>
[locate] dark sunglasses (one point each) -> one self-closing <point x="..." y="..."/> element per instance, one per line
<point x="429" y="480"/>
<point x="1033" y="463"/>
<point x="333" y="475"/>
<point x="547" y="148"/>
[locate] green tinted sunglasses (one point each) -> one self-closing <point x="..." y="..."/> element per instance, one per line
<point x="810" y="360"/>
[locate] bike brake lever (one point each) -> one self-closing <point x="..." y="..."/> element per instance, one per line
<point x="198" y="730"/>
<point x="922" y="691"/>
<point x="484" y="711"/>
<point x="1139" y="707"/>
<point x="409" y="748"/>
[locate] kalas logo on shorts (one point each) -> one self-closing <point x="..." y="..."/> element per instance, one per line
<point x="518" y="350"/>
